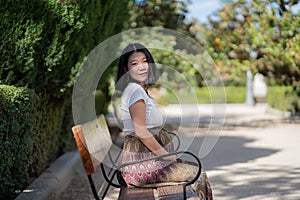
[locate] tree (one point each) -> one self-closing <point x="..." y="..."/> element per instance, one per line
<point x="169" y="14"/>
<point x="261" y="35"/>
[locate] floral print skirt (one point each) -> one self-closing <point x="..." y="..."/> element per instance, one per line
<point x="160" y="172"/>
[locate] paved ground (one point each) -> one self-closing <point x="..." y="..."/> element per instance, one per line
<point x="249" y="152"/>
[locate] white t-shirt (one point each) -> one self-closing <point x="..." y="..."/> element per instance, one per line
<point x="132" y="93"/>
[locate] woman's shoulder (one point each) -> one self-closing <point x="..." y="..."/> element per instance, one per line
<point x="134" y="88"/>
<point x="134" y="92"/>
<point x="133" y="85"/>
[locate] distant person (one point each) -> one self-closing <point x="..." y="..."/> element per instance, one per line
<point x="142" y="123"/>
<point x="260" y="89"/>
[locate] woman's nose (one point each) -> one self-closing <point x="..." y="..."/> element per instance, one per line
<point x="142" y="66"/>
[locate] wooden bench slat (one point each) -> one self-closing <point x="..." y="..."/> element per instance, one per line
<point x="174" y="192"/>
<point x="170" y="192"/>
<point x="93" y="141"/>
<point x="136" y="193"/>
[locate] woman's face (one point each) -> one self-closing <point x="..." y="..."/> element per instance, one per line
<point x="138" y="66"/>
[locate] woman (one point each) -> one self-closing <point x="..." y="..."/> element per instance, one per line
<point x="142" y="124"/>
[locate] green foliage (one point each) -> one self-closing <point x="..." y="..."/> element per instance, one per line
<point x="169" y="14"/>
<point x="43" y="46"/>
<point x="17" y="124"/>
<point x="101" y="102"/>
<point x="279" y="97"/>
<point x="48" y="40"/>
<point x="259" y="35"/>
<point x="189" y="67"/>
<point x="203" y="96"/>
<point x="26" y="150"/>
<point x="283" y="98"/>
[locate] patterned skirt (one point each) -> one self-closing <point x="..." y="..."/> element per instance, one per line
<point x="159" y="172"/>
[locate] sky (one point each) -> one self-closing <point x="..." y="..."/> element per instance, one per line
<point x="200" y="9"/>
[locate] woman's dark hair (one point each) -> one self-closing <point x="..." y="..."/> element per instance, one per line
<point x="121" y="80"/>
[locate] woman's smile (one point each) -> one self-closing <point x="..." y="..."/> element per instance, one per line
<point x="144" y="74"/>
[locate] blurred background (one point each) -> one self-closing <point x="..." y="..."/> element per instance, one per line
<point x="254" y="46"/>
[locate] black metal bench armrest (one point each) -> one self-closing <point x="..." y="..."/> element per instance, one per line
<point x="118" y="168"/>
<point x="110" y="181"/>
<point x="165" y="155"/>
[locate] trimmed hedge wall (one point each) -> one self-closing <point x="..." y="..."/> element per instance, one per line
<point x="17" y="124"/>
<point x="44" y="43"/>
<point x="30" y="132"/>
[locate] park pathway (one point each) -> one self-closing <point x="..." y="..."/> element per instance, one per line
<point x="254" y="152"/>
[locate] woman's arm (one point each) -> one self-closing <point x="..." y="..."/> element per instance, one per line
<point x="138" y="115"/>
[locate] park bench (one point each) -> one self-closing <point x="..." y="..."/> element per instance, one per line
<point x="94" y="144"/>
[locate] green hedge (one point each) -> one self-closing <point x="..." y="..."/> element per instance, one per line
<point x="17" y="124"/>
<point x="31" y="138"/>
<point x="284" y="98"/>
<point x="44" y="43"/>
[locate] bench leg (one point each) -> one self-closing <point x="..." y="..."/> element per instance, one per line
<point x="93" y="187"/>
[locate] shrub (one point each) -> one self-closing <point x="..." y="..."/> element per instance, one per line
<point x="31" y="138"/>
<point x="43" y="46"/>
<point x="284" y="98"/>
<point x="17" y="124"/>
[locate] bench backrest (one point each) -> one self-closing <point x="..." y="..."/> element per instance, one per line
<point x="93" y="141"/>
